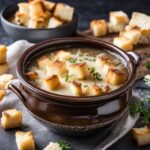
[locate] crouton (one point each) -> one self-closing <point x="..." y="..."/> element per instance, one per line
<point x="123" y="43"/>
<point x="11" y="118"/>
<point x="51" y="83"/>
<point x="42" y="62"/>
<point x="2" y="94"/>
<point x="53" y="146"/>
<point x="3" y="51"/>
<point x="98" y="27"/>
<point x="115" y="28"/>
<point x="64" y="12"/>
<point x="132" y="35"/>
<point x="118" y="17"/>
<point x="79" y="71"/>
<point x="49" y="5"/>
<point x="25" y="140"/>
<point x="115" y="77"/>
<point x="93" y="90"/>
<point x="57" y="67"/>
<point x="54" y="22"/>
<point x="63" y="56"/>
<point x="141" y="135"/>
<point x="4" y="80"/>
<point x="76" y="88"/>
<point x="3" y="68"/>
<point x="32" y="75"/>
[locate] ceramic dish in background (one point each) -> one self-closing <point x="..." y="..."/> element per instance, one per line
<point x="17" y="32"/>
<point x="71" y="114"/>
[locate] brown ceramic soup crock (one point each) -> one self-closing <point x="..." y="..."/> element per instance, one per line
<point x="73" y="114"/>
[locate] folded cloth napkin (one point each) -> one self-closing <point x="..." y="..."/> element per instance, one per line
<point x="42" y="134"/>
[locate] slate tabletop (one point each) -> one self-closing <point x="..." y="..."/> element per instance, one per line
<point x="92" y="9"/>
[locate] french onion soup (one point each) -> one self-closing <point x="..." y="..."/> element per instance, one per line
<point x="78" y="72"/>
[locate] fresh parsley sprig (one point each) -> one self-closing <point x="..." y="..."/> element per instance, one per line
<point x="141" y="108"/>
<point x="64" y="145"/>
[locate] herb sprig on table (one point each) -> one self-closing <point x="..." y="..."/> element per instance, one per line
<point x="142" y="109"/>
<point x="65" y="145"/>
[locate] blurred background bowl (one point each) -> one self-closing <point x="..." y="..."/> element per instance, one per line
<point x="17" y="32"/>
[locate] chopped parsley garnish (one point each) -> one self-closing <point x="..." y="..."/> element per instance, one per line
<point x="64" y="145"/>
<point x="96" y="75"/>
<point x="148" y="65"/>
<point x="141" y="108"/>
<point x="67" y="78"/>
<point x="73" y="60"/>
<point x="89" y="59"/>
<point x="85" y="86"/>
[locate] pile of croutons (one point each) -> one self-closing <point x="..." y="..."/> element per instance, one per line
<point x="43" y="14"/>
<point x="132" y="32"/>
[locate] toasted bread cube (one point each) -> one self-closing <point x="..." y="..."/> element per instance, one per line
<point x="115" y="77"/>
<point x="115" y="28"/>
<point x="2" y="94"/>
<point x="123" y="43"/>
<point x="49" y="5"/>
<point x="54" y="22"/>
<point x="57" y="67"/>
<point x="3" y="68"/>
<point x="32" y="75"/>
<point x="25" y="140"/>
<point x="118" y="17"/>
<point x="106" y="68"/>
<point x="79" y="71"/>
<point x="145" y="36"/>
<point x="4" y="80"/>
<point x="132" y="35"/>
<point x="3" y="51"/>
<point x="62" y="55"/>
<point x="42" y="62"/>
<point x="102" y="59"/>
<point x="98" y="27"/>
<point x="93" y="90"/>
<point x="64" y="12"/>
<point x="76" y="88"/>
<point x="51" y="83"/>
<point x="11" y="118"/>
<point x="53" y="146"/>
<point x="141" y="135"/>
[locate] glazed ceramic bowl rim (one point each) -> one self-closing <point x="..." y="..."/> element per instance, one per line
<point x="25" y="28"/>
<point x="76" y="99"/>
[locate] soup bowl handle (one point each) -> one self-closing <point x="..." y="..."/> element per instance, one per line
<point x="15" y="90"/>
<point x="135" y="57"/>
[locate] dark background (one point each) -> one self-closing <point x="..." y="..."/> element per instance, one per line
<point x="92" y="9"/>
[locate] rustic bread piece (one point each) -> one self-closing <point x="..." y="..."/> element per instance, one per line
<point x="56" y="68"/>
<point x="54" y="22"/>
<point x="141" y="135"/>
<point x="2" y="94"/>
<point x="93" y="90"/>
<point x="123" y="43"/>
<point x="25" y="140"/>
<point x="3" y="51"/>
<point x="133" y="35"/>
<point x="145" y="37"/>
<point x="115" y="28"/>
<point x="49" y="5"/>
<point x="51" y="83"/>
<point x="32" y="75"/>
<point x="4" y="80"/>
<point x="79" y="71"/>
<point x="64" y="12"/>
<point x="63" y="55"/>
<point x="139" y="20"/>
<point x="98" y="27"/>
<point x="118" y="17"/>
<point x="76" y="88"/>
<point x="115" y="77"/>
<point x="11" y="118"/>
<point x="53" y="146"/>
<point x="42" y="62"/>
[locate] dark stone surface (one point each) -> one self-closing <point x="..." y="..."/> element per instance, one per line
<point x="91" y="9"/>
